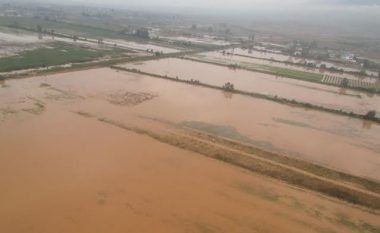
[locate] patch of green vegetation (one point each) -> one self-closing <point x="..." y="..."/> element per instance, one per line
<point x="290" y="73"/>
<point x="58" y="54"/>
<point x="328" y="91"/>
<point x="316" y="228"/>
<point x="290" y="122"/>
<point x="224" y="131"/>
<point x="258" y="191"/>
<point x="200" y="56"/>
<point x="63" y="27"/>
<point x="345" y="220"/>
<point x="203" y="228"/>
<point x="298" y="205"/>
<point x="360" y="226"/>
<point x="295" y="73"/>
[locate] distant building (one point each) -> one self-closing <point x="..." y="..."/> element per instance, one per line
<point x="350" y="57"/>
<point x="11" y="13"/>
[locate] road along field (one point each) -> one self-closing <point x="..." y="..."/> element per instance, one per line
<point x="300" y="64"/>
<point x="317" y="94"/>
<point x="285" y="69"/>
<point x="99" y="150"/>
<point x="277" y="57"/>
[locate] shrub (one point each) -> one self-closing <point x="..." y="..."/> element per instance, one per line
<point x="344" y="82"/>
<point x="228" y="86"/>
<point x="371" y="115"/>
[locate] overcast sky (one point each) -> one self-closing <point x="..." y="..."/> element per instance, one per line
<point x="228" y="4"/>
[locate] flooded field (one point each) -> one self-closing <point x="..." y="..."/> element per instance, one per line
<point x="14" y="41"/>
<point x="318" y="94"/>
<point x="67" y="171"/>
<point x="266" y="129"/>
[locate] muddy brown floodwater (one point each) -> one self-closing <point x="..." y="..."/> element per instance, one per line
<point x="63" y="170"/>
<point x="318" y="94"/>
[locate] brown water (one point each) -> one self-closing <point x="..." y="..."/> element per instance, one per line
<point x="65" y="172"/>
<point x="318" y="94"/>
<point x="335" y="141"/>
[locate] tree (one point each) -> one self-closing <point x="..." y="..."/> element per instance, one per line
<point x="313" y="44"/>
<point x="365" y="63"/>
<point x="143" y="33"/>
<point x="157" y="53"/>
<point x="228" y="86"/>
<point x="371" y="115"/>
<point x="305" y="52"/>
<point x="363" y="72"/>
<point x="252" y="37"/>
<point x="344" y="82"/>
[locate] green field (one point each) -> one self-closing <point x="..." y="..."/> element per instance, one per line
<point x="55" y="54"/>
<point x="290" y="73"/>
<point x="296" y="74"/>
<point x="62" y="27"/>
<point x="86" y="29"/>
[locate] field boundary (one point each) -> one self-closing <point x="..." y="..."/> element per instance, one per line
<point x="259" y="166"/>
<point x="256" y="95"/>
<point x="357" y="88"/>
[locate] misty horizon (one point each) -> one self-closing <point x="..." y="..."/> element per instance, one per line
<point x="224" y="5"/>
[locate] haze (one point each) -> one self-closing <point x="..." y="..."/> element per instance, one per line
<point x="189" y="116"/>
<point x="243" y="5"/>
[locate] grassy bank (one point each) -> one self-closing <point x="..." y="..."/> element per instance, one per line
<point x="258" y="95"/>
